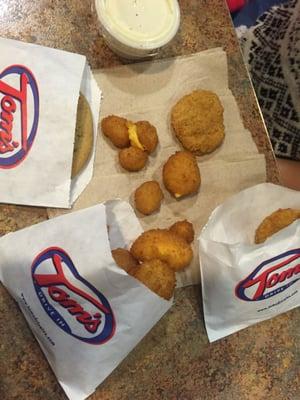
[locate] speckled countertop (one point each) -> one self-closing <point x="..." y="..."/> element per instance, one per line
<point x="175" y="360"/>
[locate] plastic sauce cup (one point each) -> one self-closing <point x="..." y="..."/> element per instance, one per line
<point x="138" y="28"/>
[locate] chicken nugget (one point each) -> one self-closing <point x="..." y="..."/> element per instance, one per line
<point x="124" y="259"/>
<point x="148" y="197"/>
<point x="163" y="245"/>
<point x="142" y="135"/>
<point x="115" y="128"/>
<point x="181" y="175"/>
<point x="158" y="277"/>
<point x="133" y="159"/>
<point x="184" y="229"/>
<point x="197" y="120"/>
<point x="276" y="221"/>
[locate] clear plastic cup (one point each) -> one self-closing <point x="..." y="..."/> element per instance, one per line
<point x="137" y="29"/>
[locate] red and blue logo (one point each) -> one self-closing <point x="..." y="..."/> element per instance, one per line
<point x="75" y="305"/>
<point x="271" y="277"/>
<point x="19" y="114"/>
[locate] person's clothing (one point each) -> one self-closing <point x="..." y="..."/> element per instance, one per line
<point x="253" y="9"/>
<point x="272" y="53"/>
<point x="235" y="5"/>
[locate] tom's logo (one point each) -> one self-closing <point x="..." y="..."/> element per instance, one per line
<point x="271" y="277"/>
<point x="71" y="302"/>
<point x="19" y="114"/>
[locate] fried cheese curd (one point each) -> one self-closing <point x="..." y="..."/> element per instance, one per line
<point x="181" y="175"/>
<point x="183" y="229"/>
<point x="163" y="245"/>
<point x="147" y="135"/>
<point x="124" y="259"/>
<point x="197" y="120"/>
<point x="274" y="222"/>
<point x="148" y="197"/>
<point x="157" y="276"/>
<point x="115" y="129"/>
<point x="133" y="159"/>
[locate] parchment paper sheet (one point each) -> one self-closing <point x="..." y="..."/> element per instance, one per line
<point x="148" y="91"/>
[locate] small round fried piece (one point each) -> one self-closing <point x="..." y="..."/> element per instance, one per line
<point x="163" y="245"/>
<point x="133" y="159"/>
<point x="197" y="120"/>
<point x="148" y="197"/>
<point x="183" y="229"/>
<point x="276" y="221"/>
<point x="158" y="277"/>
<point x="181" y="175"/>
<point x="147" y="135"/>
<point x="115" y="129"/>
<point x="124" y="259"/>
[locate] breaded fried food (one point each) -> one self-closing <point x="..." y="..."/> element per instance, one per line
<point x="197" y="120"/>
<point x="158" y="277"/>
<point x="276" y="221"/>
<point x="115" y="128"/>
<point x="163" y="245"/>
<point x="148" y="197"/>
<point x="142" y="135"/>
<point x="181" y="175"/>
<point x="124" y="259"/>
<point x="133" y="159"/>
<point x="183" y="229"/>
<point x="147" y="135"/>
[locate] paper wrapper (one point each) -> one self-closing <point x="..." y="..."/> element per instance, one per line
<point x="147" y="91"/>
<point x="244" y="283"/>
<point x="86" y="313"/>
<point x="39" y="89"/>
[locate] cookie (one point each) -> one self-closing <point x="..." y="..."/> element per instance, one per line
<point x="84" y="136"/>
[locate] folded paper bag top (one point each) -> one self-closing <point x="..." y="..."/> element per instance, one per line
<point x="39" y="90"/>
<point x="242" y="282"/>
<point x="86" y="313"/>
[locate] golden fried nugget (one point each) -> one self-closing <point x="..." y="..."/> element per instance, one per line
<point x="116" y="130"/>
<point x="148" y="197"/>
<point x="142" y="135"/>
<point x="163" y="245"/>
<point x="147" y="135"/>
<point x="133" y="159"/>
<point x="124" y="259"/>
<point x="184" y="229"/>
<point x="197" y="120"/>
<point x="157" y="276"/>
<point x="276" y="221"/>
<point x="181" y="175"/>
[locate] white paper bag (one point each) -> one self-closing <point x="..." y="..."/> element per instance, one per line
<point x="86" y="313"/>
<point x="39" y="90"/>
<point x="244" y="283"/>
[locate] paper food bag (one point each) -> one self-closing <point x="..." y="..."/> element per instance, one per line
<point x="244" y="283"/>
<point x="39" y="91"/>
<point x="86" y="313"/>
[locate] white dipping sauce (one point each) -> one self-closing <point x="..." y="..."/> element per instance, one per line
<point x="138" y="28"/>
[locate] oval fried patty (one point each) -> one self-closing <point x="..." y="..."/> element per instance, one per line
<point x="197" y="120"/>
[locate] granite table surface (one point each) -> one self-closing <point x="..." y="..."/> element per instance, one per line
<point x="175" y="360"/>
